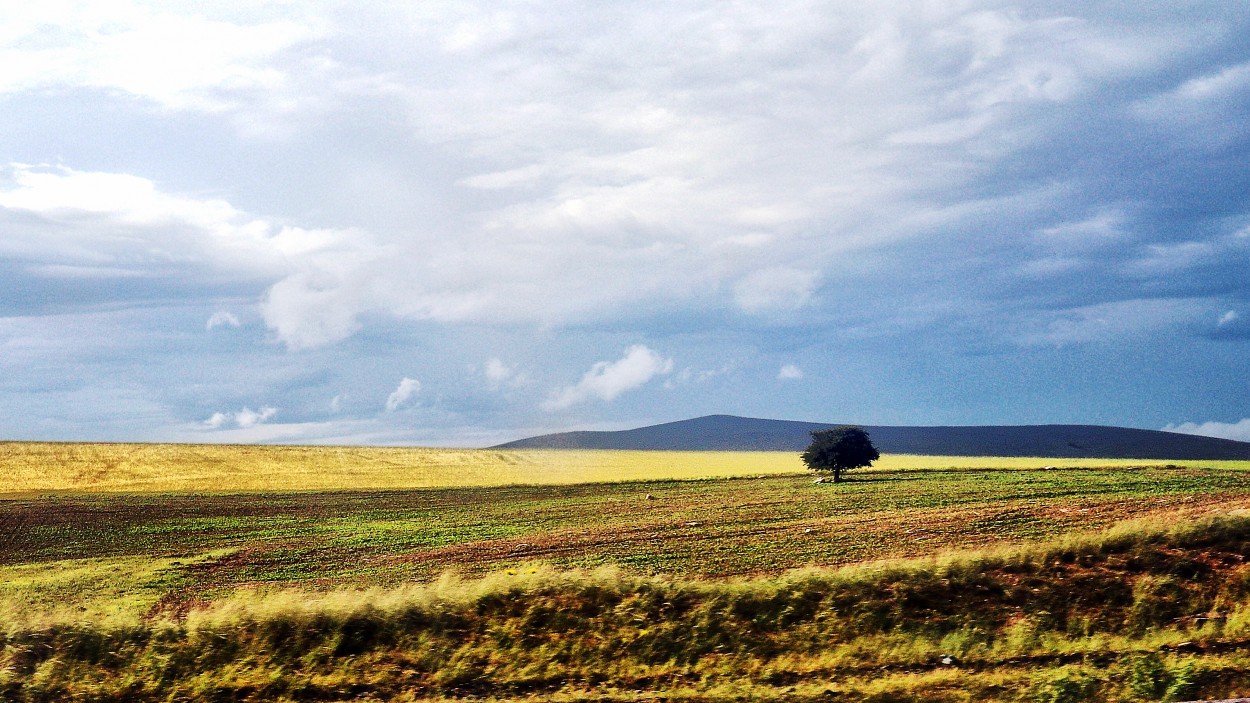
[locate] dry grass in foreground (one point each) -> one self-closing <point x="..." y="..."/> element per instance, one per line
<point x="1143" y="612"/>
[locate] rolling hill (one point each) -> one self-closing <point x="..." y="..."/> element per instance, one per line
<point x="731" y="433"/>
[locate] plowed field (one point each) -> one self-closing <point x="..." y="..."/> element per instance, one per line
<point x="164" y="552"/>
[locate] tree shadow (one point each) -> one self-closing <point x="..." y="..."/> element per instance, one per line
<point x="872" y="479"/>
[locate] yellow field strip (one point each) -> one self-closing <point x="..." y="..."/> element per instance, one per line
<point x="900" y="462"/>
<point x="33" y="467"/>
<point x="27" y="467"/>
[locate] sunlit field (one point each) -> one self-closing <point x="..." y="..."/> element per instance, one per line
<point x="145" y="468"/>
<point x="74" y="537"/>
<point x="173" y="468"/>
<point x="294" y="573"/>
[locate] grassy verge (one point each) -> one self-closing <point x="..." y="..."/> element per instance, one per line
<point x="1142" y="612"/>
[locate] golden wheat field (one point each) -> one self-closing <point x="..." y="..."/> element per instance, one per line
<point x="34" y="467"/>
<point x="135" y="468"/>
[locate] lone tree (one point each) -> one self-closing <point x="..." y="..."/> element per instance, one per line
<point x="838" y="449"/>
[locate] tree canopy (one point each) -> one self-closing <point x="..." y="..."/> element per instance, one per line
<point x="838" y="449"/>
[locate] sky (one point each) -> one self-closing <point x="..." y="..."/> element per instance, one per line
<point x="461" y="223"/>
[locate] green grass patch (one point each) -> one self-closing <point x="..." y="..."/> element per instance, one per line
<point x="99" y="592"/>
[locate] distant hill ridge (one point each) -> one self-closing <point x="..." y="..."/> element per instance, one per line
<point x="732" y="433"/>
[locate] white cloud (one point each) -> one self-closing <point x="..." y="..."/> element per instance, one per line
<point x="1239" y="431"/>
<point x="789" y="372"/>
<point x="500" y="375"/>
<point x="705" y="164"/>
<point x="222" y="318"/>
<point x="250" y="418"/>
<point x="1199" y="98"/>
<point x="407" y="389"/>
<point x="689" y="375"/>
<point x="702" y="163"/>
<point x="374" y="431"/>
<point x="130" y="200"/>
<point x="244" y="419"/>
<point x="342" y="432"/>
<point x="1102" y="230"/>
<point x="607" y="380"/>
<point x="177" y="61"/>
<point x="775" y="289"/>
<point x="1173" y="259"/>
<point x="1221" y="85"/>
<point x="497" y="371"/>
<point x="1200" y="112"/>
<point x="125" y="226"/>
<point x="312" y="308"/>
<point x="1228" y="318"/>
<point x="1110" y="321"/>
<point x="124" y="221"/>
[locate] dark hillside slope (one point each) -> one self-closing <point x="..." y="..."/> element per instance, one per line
<point x="730" y="433"/>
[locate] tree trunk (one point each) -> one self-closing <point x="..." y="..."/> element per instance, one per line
<point x="837" y="476"/>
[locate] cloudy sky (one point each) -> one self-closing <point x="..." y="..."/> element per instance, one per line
<point x="457" y="223"/>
